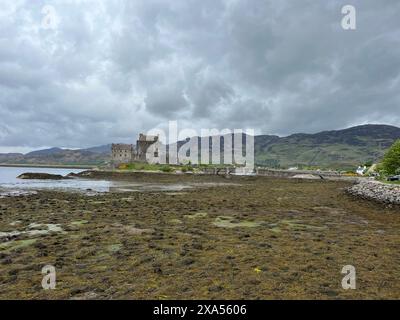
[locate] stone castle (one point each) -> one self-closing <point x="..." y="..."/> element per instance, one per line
<point x="128" y="153"/>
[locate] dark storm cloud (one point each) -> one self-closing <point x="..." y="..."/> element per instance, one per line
<point x="165" y="101"/>
<point x="111" y="69"/>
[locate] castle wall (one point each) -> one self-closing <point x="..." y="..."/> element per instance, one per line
<point x="122" y="153"/>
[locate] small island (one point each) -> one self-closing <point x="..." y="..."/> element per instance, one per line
<point x="41" y="176"/>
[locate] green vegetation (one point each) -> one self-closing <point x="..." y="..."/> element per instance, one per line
<point x="393" y="182"/>
<point x="308" y="154"/>
<point x="231" y="222"/>
<point x="369" y="164"/>
<point x="145" y="167"/>
<point x="391" y="162"/>
<point x="18" y="244"/>
<point x="196" y="215"/>
<point x="167" y="168"/>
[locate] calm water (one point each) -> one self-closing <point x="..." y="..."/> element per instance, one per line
<point x="9" y="181"/>
<point x="10" y="185"/>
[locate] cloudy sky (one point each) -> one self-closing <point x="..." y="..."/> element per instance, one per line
<point x="78" y="73"/>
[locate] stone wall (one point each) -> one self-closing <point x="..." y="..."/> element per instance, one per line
<point x="376" y="191"/>
<point x="291" y="173"/>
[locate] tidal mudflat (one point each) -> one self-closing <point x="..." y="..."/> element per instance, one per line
<point x="238" y="238"/>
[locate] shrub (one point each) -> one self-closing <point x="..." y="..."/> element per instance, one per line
<point x="166" y="169"/>
<point x="350" y="174"/>
<point x="391" y="161"/>
<point x="369" y="163"/>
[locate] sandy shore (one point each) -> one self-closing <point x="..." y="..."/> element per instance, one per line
<point x="252" y="237"/>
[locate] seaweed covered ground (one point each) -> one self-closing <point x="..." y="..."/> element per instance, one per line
<point x="238" y="238"/>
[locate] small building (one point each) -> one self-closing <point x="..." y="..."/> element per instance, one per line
<point x="361" y="170"/>
<point x="122" y="153"/>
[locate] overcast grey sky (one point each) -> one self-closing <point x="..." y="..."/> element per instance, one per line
<point x="110" y="69"/>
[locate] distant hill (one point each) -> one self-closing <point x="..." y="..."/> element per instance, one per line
<point x="44" y="152"/>
<point x="106" y="149"/>
<point x="57" y="156"/>
<point x="337" y="149"/>
<point x="328" y="149"/>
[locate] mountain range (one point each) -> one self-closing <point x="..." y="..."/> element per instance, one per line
<point x="58" y="156"/>
<point x="337" y="149"/>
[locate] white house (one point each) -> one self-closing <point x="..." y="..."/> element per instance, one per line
<point x="361" y="170"/>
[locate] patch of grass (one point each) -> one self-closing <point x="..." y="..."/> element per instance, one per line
<point x="392" y="182"/>
<point x="114" y="247"/>
<point x="229" y="222"/>
<point x="297" y="225"/>
<point x="141" y="166"/>
<point x="169" y="167"/>
<point x="146" y="167"/>
<point x="175" y="221"/>
<point x="187" y="168"/>
<point x="383" y="179"/>
<point x="19" y="244"/>
<point x="197" y="215"/>
<point x="79" y="222"/>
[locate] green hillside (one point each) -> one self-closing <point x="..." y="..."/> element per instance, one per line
<point x="340" y="149"/>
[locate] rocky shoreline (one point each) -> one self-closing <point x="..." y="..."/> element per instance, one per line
<point x="210" y="242"/>
<point x="376" y="191"/>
